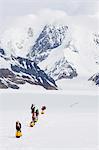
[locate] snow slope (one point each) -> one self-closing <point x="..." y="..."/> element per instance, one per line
<point x="70" y="122"/>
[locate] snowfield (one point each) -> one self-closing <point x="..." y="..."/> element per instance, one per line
<point x="78" y="84"/>
<point x="70" y="121"/>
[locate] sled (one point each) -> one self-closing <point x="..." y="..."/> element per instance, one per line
<point x="18" y="134"/>
<point x="32" y="124"/>
<point x="42" y="112"/>
<point x="36" y="120"/>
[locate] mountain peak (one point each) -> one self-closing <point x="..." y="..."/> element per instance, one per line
<point x="52" y="36"/>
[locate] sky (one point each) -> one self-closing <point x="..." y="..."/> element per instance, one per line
<point x="71" y="7"/>
<point x="9" y="9"/>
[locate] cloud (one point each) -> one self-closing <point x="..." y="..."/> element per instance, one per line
<point x="71" y="7"/>
<point x="9" y="9"/>
<point x="88" y="7"/>
<point x="51" y="16"/>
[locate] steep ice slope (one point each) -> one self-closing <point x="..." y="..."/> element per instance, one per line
<point x="95" y="76"/>
<point x="57" y="65"/>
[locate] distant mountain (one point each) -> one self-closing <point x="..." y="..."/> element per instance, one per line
<point x="95" y="78"/>
<point x="96" y="39"/>
<point x="17" y="41"/>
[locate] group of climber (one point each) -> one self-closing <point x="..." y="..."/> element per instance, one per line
<point x="35" y="113"/>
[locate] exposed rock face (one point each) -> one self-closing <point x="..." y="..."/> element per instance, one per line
<point x="18" y="70"/>
<point x="50" y="38"/>
<point x="95" y="78"/>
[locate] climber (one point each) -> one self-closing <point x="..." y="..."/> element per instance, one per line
<point x="18" y="129"/>
<point x="43" y="109"/>
<point x="37" y="114"/>
<point x="32" y="108"/>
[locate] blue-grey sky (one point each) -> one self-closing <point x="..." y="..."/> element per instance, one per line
<point x="10" y="9"/>
<point x="71" y="7"/>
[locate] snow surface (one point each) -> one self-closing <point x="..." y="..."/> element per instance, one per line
<point x="78" y="84"/>
<point x="70" y="122"/>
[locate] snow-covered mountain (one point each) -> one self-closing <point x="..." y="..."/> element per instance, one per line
<point x="49" y="42"/>
<point x="17" y="41"/>
<point x="48" y="52"/>
<point x="96" y="39"/>
<point x="57" y="65"/>
<point x="96" y="48"/>
<point x="15" y="71"/>
<point x="65" y="50"/>
<point x="51" y="37"/>
<point x="95" y="78"/>
<point x="61" y="69"/>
